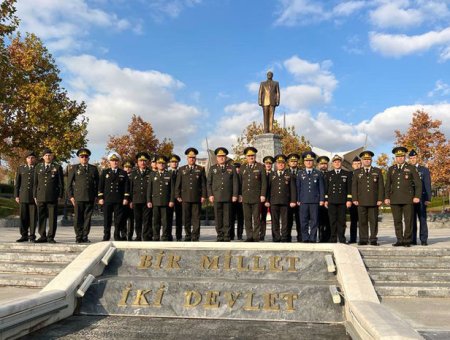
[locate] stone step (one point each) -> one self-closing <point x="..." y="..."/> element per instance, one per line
<point x="410" y="275"/>
<point x="402" y="251"/>
<point x="43" y="247"/>
<point x="431" y="262"/>
<point x="45" y="268"/>
<point x="25" y="257"/>
<point x="412" y="289"/>
<point x="21" y="280"/>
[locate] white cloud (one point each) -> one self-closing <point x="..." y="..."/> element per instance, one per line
<point x="161" y="9"/>
<point x="396" y="14"/>
<point x="348" y="8"/>
<point x="440" y="89"/>
<point x="253" y="87"/>
<point x="113" y="94"/>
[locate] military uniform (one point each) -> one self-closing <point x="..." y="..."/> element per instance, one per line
<point x="237" y="211"/>
<point x="82" y="185"/>
<point x="353" y="210"/>
<point x="23" y="189"/>
<point x="265" y="210"/>
<point x="190" y="186"/>
<point x="177" y="209"/>
<point x="139" y="180"/>
<point x="127" y="228"/>
<point x="294" y="213"/>
<point x="402" y="185"/>
<point x="48" y="188"/>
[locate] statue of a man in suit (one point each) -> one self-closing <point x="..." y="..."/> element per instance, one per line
<point x="269" y="98"/>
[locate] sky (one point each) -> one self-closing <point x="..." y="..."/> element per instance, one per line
<point x="350" y="72"/>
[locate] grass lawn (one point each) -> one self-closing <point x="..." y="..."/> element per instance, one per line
<point x="8" y="206"/>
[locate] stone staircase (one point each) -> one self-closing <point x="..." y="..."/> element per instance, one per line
<point x="33" y="265"/>
<point x="408" y="272"/>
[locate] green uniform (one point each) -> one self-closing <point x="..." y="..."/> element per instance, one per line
<point x="141" y="213"/>
<point x="23" y="189"/>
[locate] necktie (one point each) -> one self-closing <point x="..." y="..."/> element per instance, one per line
<point x="367" y="171"/>
<point x="338" y="171"/>
<point x="309" y="172"/>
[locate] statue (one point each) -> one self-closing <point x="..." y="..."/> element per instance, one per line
<point x="269" y="98"/>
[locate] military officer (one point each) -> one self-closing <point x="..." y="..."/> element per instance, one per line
<point x="153" y="165"/>
<point x="367" y="195"/>
<point x="356" y="164"/>
<point x="294" y="213"/>
<point x="82" y="189"/>
<point x="128" y="213"/>
<point x="238" y="213"/>
<point x="282" y="196"/>
<point x="161" y="197"/>
<point x="324" y="221"/>
<point x="268" y="164"/>
<point x="310" y="195"/>
<point x="48" y="188"/>
<point x="23" y="192"/>
<point x="174" y="161"/>
<point x="254" y="191"/>
<point x="420" y="209"/>
<point x="190" y="191"/>
<point x="403" y="189"/>
<point x="338" y="197"/>
<point x="139" y="178"/>
<point x="223" y="189"/>
<point x="113" y="196"/>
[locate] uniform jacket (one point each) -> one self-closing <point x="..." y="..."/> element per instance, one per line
<point x="48" y="183"/>
<point x="254" y="183"/>
<point x="402" y="185"/>
<point x="113" y="187"/>
<point x="82" y="183"/>
<point x="191" y="184"/>
<point x="425" y="176"/>
<point x="161" y="188"/>
<point x="138" y="185"/>
<point x="23" y="185"/>
<point x="310" y="188"/>
<point x="223" y="184"/>
<point x="367" y="189"/>
<point x="338" y="188"/>
<point x="282" y="188"/>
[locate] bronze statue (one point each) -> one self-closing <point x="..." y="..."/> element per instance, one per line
<point x="269" y="98"/>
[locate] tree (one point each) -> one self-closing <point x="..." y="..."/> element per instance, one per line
<point x="382" y="161"/>
<point x="36" y="111"/>
<point x="290" y="141"/>
<point x="431" y="145"/>
<point x="140" y="137"/>
<point x="8" y="19"/>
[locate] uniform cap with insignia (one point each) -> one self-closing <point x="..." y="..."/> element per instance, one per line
<point x="268" y="159"/>
<point x="46" y="151"/>
<point x="366" y="154"/>
<point x="356" y="159"/>
<point x="83" y="152"/>
<point x="250" y="151"/>
<point x="237" y="164"/>
<point x="323" y="160"/>
<point x="293" y="157"/>
<point x="399" y="151"/>
<point x="128" y="164"/>
<point x="175" y="158"/>
<point x="29" y="154"/>
<point x="221" y="151"/>
<point x="412" y="153"/>
<point x="142" y="156"/>
<point x="280" y="158"/>
<point x="336" y="158"/>
<point x="153" y="158"/>
<point x="191" y="152"/>
<point x="114" y="156"/>
<point x="161" y="159"/>
<point x="308" y="156"/>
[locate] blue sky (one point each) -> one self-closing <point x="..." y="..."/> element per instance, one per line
<point x="347" y="69"/>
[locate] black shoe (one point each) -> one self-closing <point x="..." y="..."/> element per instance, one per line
<point x="374" y="243"/>
<point x="86" y="240"/>
<point x="187" y="239"/>
<point x="78" y="240"/>
<point x="414" y="243"/>
<point x="239" y="238"/>
<point x="249" y="240"/>
<point x="424" y="243"/>
<point x="226" y="240"/>
<point x="41" y="240"/>
<point x="179" y="239"/>
<point x="50" y="240"/>
<point x="219" y="240"/>
<point x="23" y="239"/>
<point x="407" y="244"/>
<point x="362" y="243"/>
<point x="139" y="239"/>
<point x="106" y="237"/>
<point x="397" y="244"/>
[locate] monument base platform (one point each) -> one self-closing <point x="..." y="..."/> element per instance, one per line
<point x="267" y="144"/>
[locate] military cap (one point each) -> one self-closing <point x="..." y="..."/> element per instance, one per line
<point x="293" y="157"/>
<point x="128" y="164"/>
<point x="221" y="151"/>
<point x="280" y="158"/>
<point x="142" y="156"/>
<point x="29" y="154"/>
<point x="323" y="160"/>
<point x="46" y="151"/>
<point x="268" y="159"/>
<point x="250" y="151"/>
<point x="191" y="152"/>
<point x="308" y="156"/>
<point x="161" y="159"/>
<point x="83" y="152"/>
<point x="175" y="158"/>
<point x="237" y="164"/>
<point x="356" y="159"/>
<point x="153" y="158"/>
<point x="114" y="156"/>
<point x="412" y="153"/>
<point x="399" y="151"/>
<point x="366" y="154"/>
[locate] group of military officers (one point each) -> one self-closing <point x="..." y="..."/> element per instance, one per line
<point x="143" y="199"/>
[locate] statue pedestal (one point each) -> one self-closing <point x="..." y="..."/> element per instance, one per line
<point x="267" y="144"/>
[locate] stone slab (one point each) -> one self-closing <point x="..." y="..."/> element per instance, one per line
<point x="267" y="144"/>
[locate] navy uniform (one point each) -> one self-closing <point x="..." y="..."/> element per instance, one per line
<point x="82" y="189"/>
<point x="23" y="192"/>
<point x="310" y="195"/>
<point x="403" y="186"/>
<point x="48" y="188"/>
<point x="190" y="190"/>
<point x="223" y="188"/>
<point x="294" y="212"/>
<point x="281" y="196"/>
<point x="324" y="221"/>
<point x="356" y="164"/>
<point x="420" y="209"/>
<point x="142" y="214"/>
<point x="268" y="162"/>
<point x="161" y="195"/>
<point x="254" y="186"/>
<point x="338" y="195"/>
<point x="368" y="195"/>
<point x="177" y="209"/>
<point x="128" y="213"/>
<point x="238" y="212"/>
<point x="114" y="191"/>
